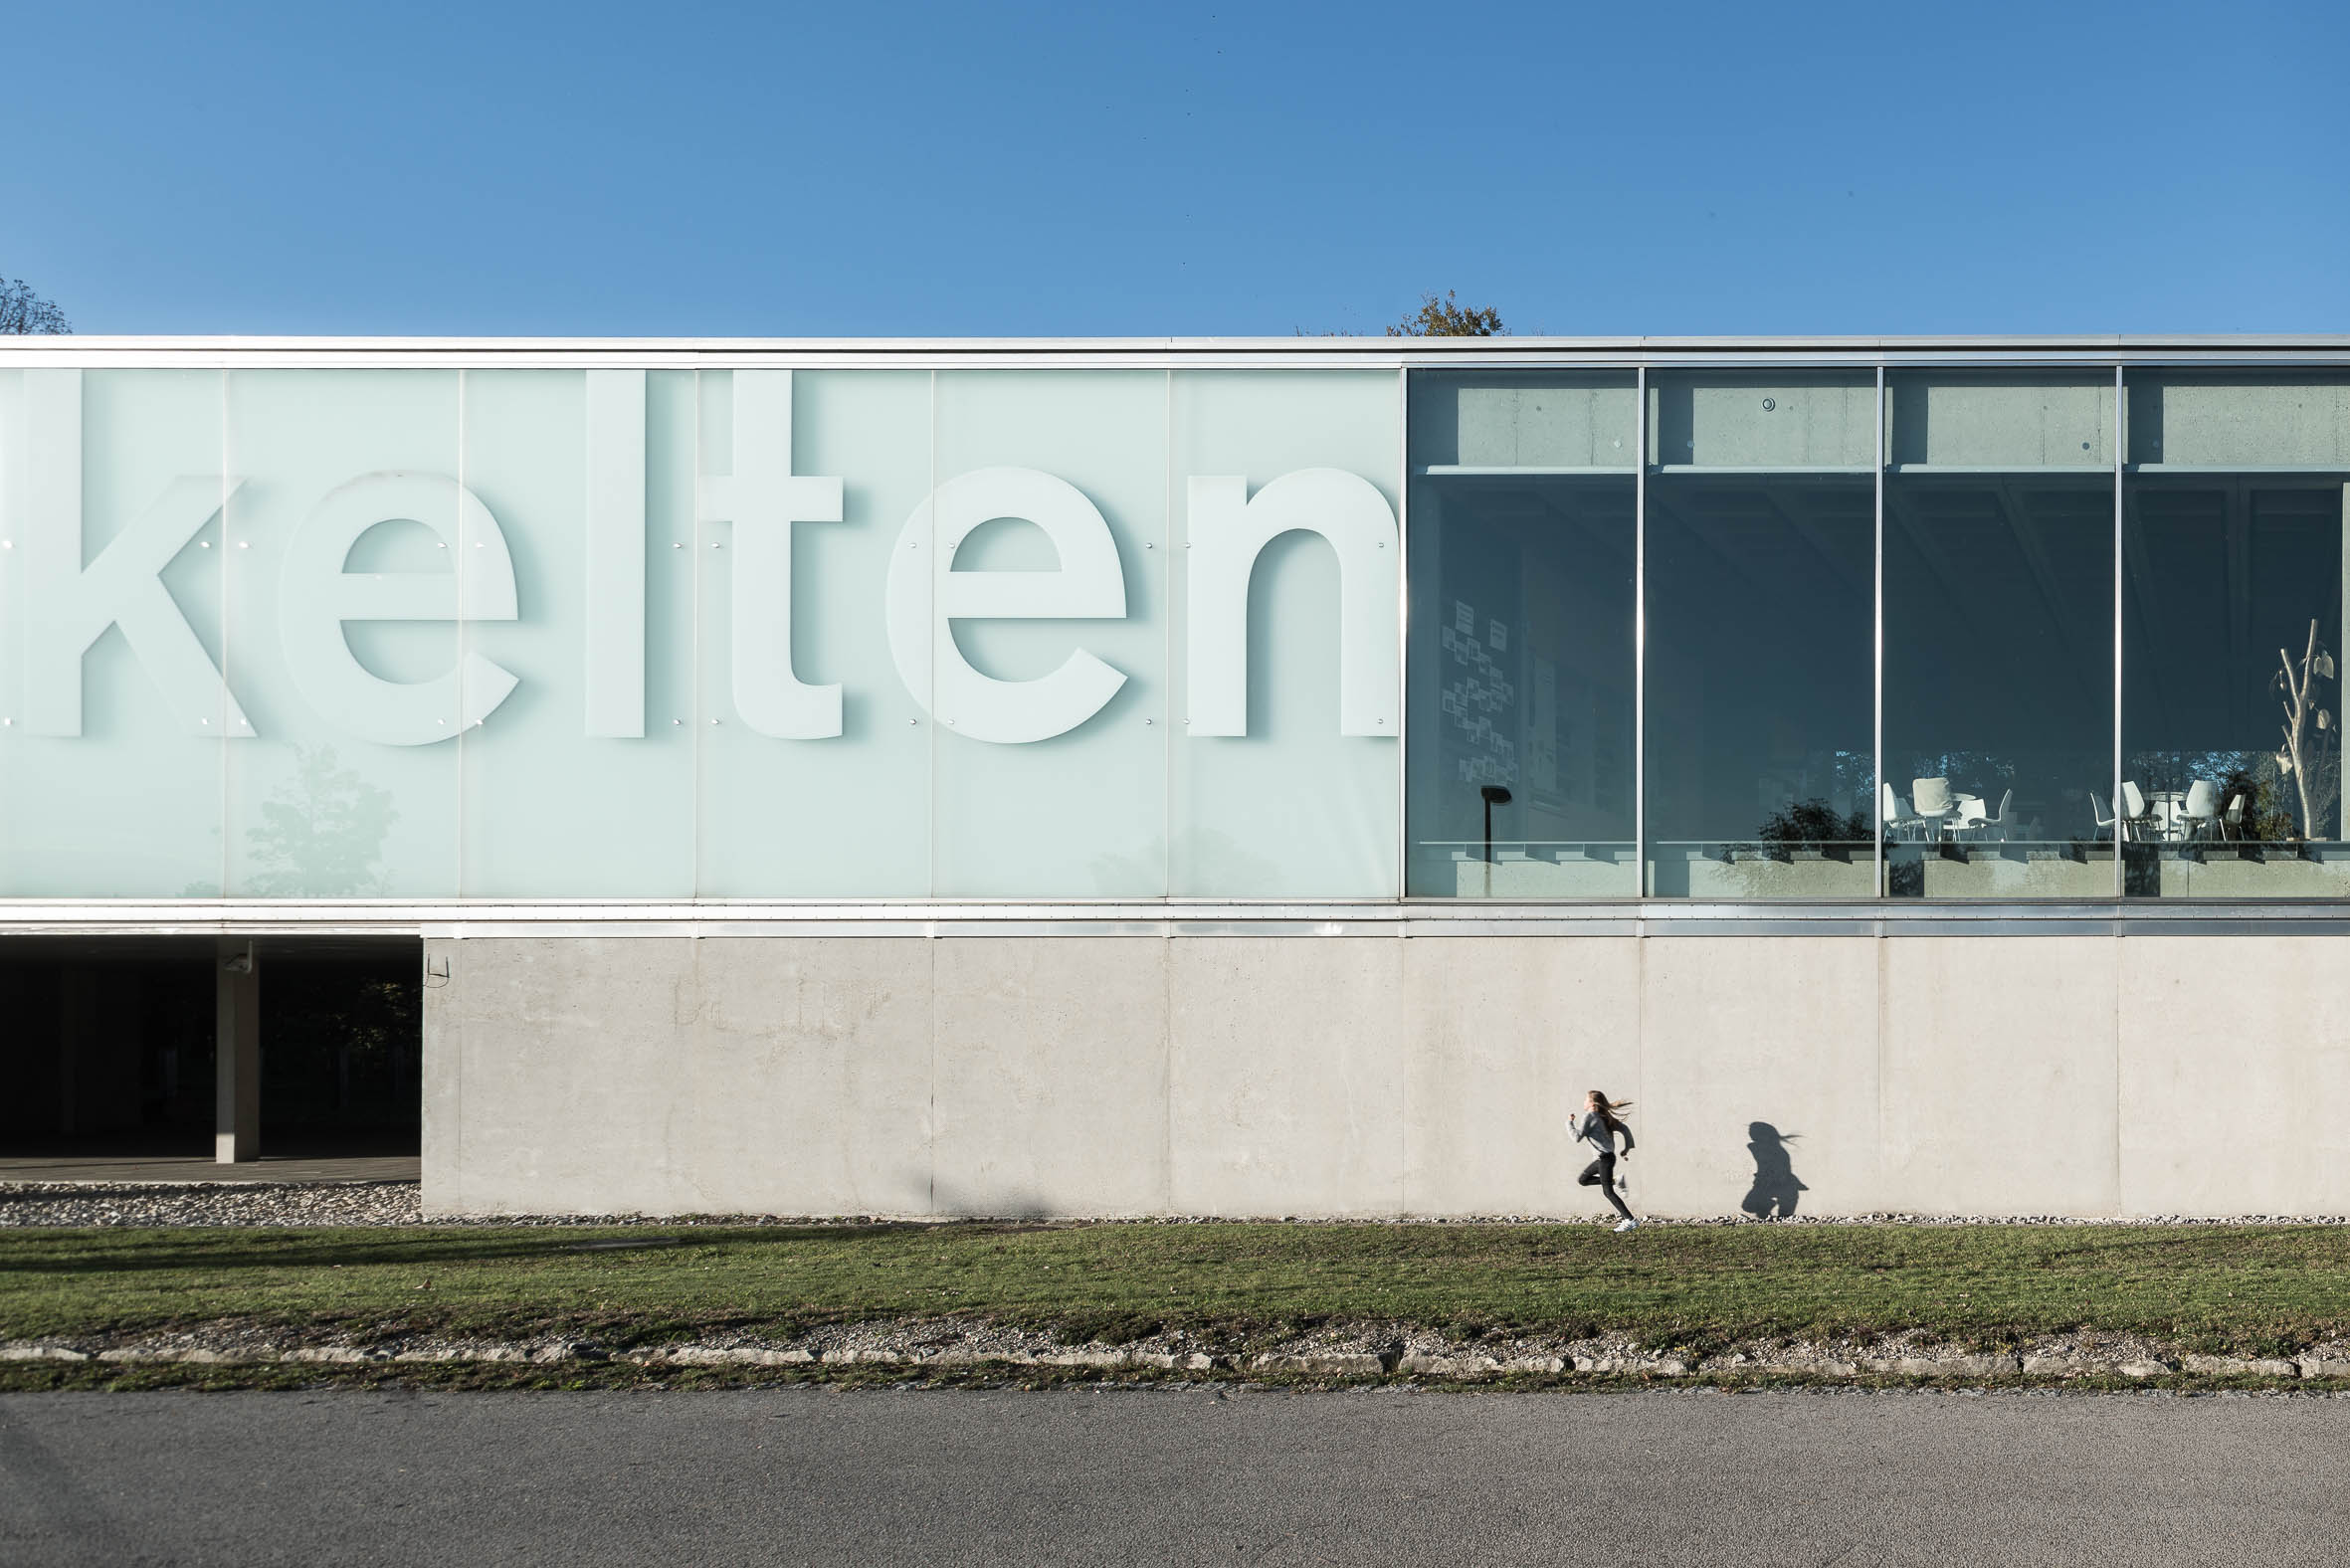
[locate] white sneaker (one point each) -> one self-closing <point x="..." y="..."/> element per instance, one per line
<point x="1625" y="1225"/>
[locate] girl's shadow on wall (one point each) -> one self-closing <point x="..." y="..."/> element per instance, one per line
<point x="1773" y="1195"/>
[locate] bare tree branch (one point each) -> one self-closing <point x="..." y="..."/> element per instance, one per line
<point x="24" y="312"/>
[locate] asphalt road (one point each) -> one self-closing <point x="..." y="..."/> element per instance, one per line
<point x="1175" y="1475"/>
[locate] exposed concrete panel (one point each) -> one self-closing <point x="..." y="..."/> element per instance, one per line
<point x="1285" y="1076"/>
<point x="1334" y="1076"/>
<point x="1052" y="1098"/>
<point x="810" y="1073"/>
<point x="1505" y="1035"/>
<point x="2235" y="422"/>
<point x="2234" y="1090"/>
<point x="572" y="1060"/>
<point x="1740" y="1031"/>
<point x="2032" y="422"/>
<point x="1518" y="425"/>
<point x="1730" y="421"/>
<point x="1997" y="1075"/>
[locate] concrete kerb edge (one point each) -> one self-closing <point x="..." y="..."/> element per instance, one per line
<point x="1331" y="1364"/>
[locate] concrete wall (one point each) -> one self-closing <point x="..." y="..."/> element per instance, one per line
<point x="1377" y="1076"/>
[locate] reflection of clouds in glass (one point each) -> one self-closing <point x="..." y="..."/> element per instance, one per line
<point x="1219" y="860"/>
<point x="1125" y="875"/>
<point x="322" y="834"/>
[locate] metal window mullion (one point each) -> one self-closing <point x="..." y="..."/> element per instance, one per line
<point x="2120" y="445"/>
<point x="1876" y="788"/>
<point x="1640" y="636"/>
<point x="1403" y="641"/>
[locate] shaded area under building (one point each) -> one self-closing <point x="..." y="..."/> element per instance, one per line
<point x="194" y="1059"/>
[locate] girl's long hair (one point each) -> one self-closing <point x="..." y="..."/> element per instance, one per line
<point x="1607" y="1108"/>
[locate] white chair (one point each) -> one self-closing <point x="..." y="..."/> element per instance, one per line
<point x="2106" y="818"/>
<point x="2134" y="815"/>
<point x="1990" y="826"/>
<point x="2200" y="814"/>
<point x="2232" y="821"/>
<point x="1931" y="799"/>
<point x="1901" y="822"/>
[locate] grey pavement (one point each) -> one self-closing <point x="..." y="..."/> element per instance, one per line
<point x="122" y="1168"/>
<point x="1172" y="1476"/>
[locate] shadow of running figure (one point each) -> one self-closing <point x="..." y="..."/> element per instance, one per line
<point x="1772" y="1197"/>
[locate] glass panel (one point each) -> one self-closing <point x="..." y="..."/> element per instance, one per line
<point x="1520" y="658"/>
<point x="1761" y="617"/>
<point x="589" y="476"/>
<point x="342" y="606"/>
<point x="1285" y="657"/>
<point x="1051" y="767"/>
<point x="800" y="798"/>
<point x="2232" y="625"/>
<point x="110" y="756"/>
<point x="1999" y="635"/>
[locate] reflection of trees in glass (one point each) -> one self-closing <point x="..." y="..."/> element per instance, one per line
<point x="1971" y="771"/>
<point x="322" y="835"/>
<point x="1808" y="824"/>
<point x="2270" y="799"/>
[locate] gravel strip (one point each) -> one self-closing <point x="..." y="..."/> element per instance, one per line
<point x="1349" y="1351"/>
<point x="65" y="1203"/>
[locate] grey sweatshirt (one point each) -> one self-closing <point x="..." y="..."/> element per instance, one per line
<point x="1596" y="1132"/>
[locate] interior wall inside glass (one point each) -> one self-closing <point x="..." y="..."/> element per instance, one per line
<point x="1522" y="696"/>
<point x="1520" y="658"/>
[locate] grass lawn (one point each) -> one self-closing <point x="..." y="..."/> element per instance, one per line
<point x="2243" y="1289"/>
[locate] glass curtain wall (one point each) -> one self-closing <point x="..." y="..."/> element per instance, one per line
<point x="1761" y="612"/>
<point x="1999" y="635"/>
<point x="2231" y="621"/>
<point x="1523" y="497"/>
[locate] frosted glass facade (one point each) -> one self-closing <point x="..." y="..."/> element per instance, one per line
<point x="531" y="634"/>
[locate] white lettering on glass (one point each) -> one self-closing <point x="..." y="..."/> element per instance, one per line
<point x="69" y="606"/>
<point x="763" y="499"/>
<point x="1228" y="529"/>
<point x="613" y="653"/>
<point x="926" y="596"/>
<point x="316" y="595"/>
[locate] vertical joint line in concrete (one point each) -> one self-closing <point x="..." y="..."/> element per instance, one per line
<point x="1167" y="1059"/>
<point x="930" y="1088"/>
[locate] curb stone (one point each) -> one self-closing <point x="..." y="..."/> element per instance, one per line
<point x="2244" y="1366"/>
<point x="1426" y="1356"/>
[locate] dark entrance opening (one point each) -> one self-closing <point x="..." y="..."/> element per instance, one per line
<point x="109" y="1057"/>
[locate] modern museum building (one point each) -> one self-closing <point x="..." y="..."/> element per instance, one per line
<point x="1194" y="777"/>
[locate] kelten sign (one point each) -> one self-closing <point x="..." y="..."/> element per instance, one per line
<point x="532" y="571"/>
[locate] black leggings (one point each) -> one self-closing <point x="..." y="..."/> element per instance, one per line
<point x="1600" y="1173"/>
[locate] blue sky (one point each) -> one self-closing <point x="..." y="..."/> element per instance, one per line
<point x="978" y="170"/>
